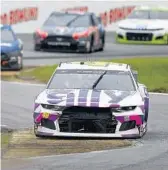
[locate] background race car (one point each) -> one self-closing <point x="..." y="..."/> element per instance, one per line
<point x="69" y="31"/>
<point x="11" y="49"/>
<point x="145" y="25"/>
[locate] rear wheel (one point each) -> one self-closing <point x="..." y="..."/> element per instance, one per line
<point x="37" y="47"/>
<point x="103" y="43"/>
<point x="91" y="46"/>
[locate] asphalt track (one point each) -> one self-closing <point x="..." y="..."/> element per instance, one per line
<point x="150" y="153"/>
<point x="112" y="50"/>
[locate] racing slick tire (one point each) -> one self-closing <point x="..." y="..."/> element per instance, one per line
<point x="103" y="43"/>
<point x="35" y="132"/>
<point x="20" y="67"/>
<point x="37" y="47"/>
<point x="91" y="46"/>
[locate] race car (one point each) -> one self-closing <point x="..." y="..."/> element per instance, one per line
<point x="70" y="31"/>
<point x="11" y="49"/>
<point x="145" y="25"/>
<point x="92" y="99"/>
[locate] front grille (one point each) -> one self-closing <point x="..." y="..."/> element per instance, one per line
<point x="48" y="124"/>
<point x="128" y="125"/>
<point x="139" y="36"/>
<point x="53" y="38"/>
<point x="87" y="120"/>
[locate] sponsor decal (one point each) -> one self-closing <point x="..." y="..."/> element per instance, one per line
<point x="114" y="15"/>
<point x="82" y="99"/>
<point x="70" y="99"/>
<point x="95" y="97"/>
<point x="45" y="115"/>
<point x="19" y="15"/>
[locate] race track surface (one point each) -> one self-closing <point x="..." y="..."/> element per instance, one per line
<point x="150" y="153"/>
<point x="112" y="50"/>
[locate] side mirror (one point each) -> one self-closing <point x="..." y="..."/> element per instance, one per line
<point x="135" y="74"/>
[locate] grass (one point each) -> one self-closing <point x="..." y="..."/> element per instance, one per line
<point x="5" y="139"/>
<point x="24" y="144"/>
<point x="153" y="72"/>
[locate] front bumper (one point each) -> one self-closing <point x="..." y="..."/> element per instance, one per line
<point x="11" y="61"/>
<point x="120" y="125"/>
<point x="63" y="43"/>
<point x="42" y="131"/>
<point x="141" y="37"/>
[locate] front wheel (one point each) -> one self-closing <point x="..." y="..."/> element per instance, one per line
<point x="20" y="64"/>
<point x="102" y="43"/>
<point x="91" y="45"/>
<point x="37" y="47"/>
<point x="35" y="131"/>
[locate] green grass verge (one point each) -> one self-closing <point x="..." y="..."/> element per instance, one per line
<point x="5" y="139"/>
<point x="153" y="72"/>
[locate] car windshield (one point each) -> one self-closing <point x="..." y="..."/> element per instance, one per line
<point x="7" y="36"/>
<point x="86" y="79"/>
<point x="163" y="15"/>
<point x="73" y="20"/>
<point x="146" y="14"/>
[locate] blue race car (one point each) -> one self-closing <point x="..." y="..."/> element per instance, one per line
<point x="11" y="49"/>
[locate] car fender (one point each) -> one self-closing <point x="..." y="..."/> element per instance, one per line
<point x="145" y="95"/>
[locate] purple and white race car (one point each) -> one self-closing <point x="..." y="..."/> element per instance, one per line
<point x="92" y="99"/>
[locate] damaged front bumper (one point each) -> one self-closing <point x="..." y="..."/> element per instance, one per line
<point x="89" y="122"/>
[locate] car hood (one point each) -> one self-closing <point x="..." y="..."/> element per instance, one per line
<point x="84" y="97"/>
<point x="9" y="47"/>
<point x="63" y="30"/>
<point x="143" y="24"/>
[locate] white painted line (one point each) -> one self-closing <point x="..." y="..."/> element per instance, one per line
<point x="43" y="85"/>
<point x="25" y="84"/>
<point x="163" y="94"/>
<point x="3" y="125"/>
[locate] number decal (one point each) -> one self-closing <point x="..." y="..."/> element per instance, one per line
<point x="45" y="115"/>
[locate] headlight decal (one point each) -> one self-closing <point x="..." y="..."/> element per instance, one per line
<point x="45" y="115"/>
<point x="36" y="105"/>
<point x="52" y="107"/>
<point x="124" y="109"/>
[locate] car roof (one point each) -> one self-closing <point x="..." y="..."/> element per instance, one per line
<point x="152" y="8"/>
<point x="72" y="12"/>
<point x="94" y="65"/>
